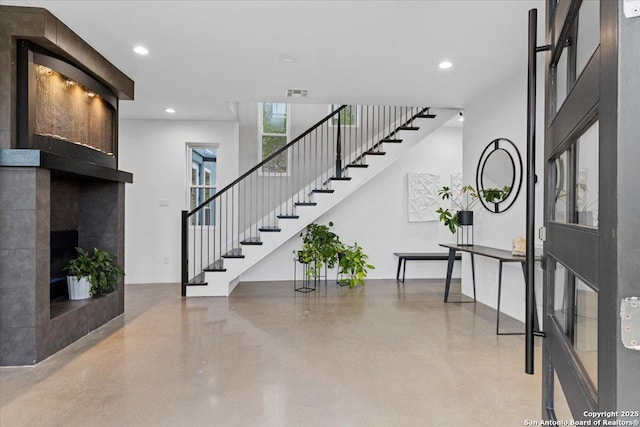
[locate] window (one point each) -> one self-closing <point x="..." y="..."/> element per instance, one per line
<point x="349" y="116"/>
<point x="274" y="128"/>
<point x="202" y="184"/>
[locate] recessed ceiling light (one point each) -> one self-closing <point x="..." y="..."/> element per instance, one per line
<point x="445" y="64"/>
<point x="169" y="110"/>
<point x="141" y="50"/>
<point x="287" y="59"/>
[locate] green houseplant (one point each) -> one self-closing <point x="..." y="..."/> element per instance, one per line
<point x="463" y="202"/>
<point x="353" y="265"/>
<point x="322" y="247"/>
<point x="99" y="268"/>
<point x="78" y="275"/>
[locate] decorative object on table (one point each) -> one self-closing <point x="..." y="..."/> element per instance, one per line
<point x="99" y="268"/>
<point x="499" y="175"/>
<point x="422" y="196"/>
<point x="322" y="248"/>
<point x="519" y="246"/>
<point x="460" y="221"/>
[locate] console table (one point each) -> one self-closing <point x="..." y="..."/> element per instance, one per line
<point x="499" y="254"/>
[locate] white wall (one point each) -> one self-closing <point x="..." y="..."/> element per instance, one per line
<point x="375" y="216"/>
<point x="501" y="113"/>
<point x="155" y="152"/>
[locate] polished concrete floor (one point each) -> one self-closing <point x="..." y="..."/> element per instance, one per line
<point x="382" y="355"/>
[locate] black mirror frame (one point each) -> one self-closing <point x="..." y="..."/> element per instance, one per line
<point x="510" y="148"/>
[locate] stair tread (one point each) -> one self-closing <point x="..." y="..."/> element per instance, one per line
<point x="322" y="190"/>
<point x="305" y="203"/>
<point x="391" y="140"/>
<point x="251" y="241"/>
<point x="216" y="266"/>
<point x="234" y="253"/>
<point x="425" y="116"/>
<point x="193" y="283"/>
<point x="288" y="216"/>
<point x="270" y="228"/>
<point x="340" y="178"/>
<point x="409" y="128"/>
<point x="357" y="165"/>
<point x="375" y="153"/>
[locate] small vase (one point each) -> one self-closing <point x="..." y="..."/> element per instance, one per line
<point x="464" y="236"/>
<point x="78" y="287"/>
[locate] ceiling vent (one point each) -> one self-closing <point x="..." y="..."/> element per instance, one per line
<point x="297" y="93"/>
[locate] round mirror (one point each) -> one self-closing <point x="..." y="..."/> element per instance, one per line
<point x="499" y="175"/>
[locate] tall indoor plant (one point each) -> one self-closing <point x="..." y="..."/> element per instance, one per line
<point x="463" y="203"/>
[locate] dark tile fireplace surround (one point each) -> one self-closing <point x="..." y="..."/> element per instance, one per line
<point x="54" y="194"/>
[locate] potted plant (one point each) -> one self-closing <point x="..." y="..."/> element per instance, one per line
<point x="353" y="265"/>
<point x="463" y="202"/>
<point x="99" y="269"/>
<point x="79" y="271"/>
<point x="320" y="247"/>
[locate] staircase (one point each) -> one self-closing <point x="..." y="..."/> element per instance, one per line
<point x="276" y="199"/>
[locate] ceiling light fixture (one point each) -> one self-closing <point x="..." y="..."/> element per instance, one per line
<point x="461" y="118"/>
<point x="287" y="59"/>
<point x="169" y="110"/>
<point x="141" y="50"/>
<point x="445" y="65"/>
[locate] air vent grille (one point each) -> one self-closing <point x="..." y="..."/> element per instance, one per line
<point x="297" y="93"/>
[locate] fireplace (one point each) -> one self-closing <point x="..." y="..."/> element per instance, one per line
<point x="60" y="184"/>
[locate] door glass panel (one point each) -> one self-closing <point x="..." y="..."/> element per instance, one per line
<point x="588" y="33"/>
<point x="561" y="79"/>
<point x="561" y="294"/>
<point x="585" y="342"/>
<point x="560" y="405"/>
<point x="587" y="177"/>
<point x="560" y="203"/>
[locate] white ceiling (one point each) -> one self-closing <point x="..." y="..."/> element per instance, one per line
<point x="206" y="53"/>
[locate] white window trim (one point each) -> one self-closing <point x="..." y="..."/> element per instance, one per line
<point x="261" y="134"/>
<point x="188" y="183"/>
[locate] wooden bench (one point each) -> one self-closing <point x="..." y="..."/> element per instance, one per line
<point x="419" y="256"/>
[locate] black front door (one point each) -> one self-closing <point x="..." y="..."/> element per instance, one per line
<point x="584" y="359"/>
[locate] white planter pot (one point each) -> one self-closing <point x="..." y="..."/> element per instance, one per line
<point x="79" y="287"/>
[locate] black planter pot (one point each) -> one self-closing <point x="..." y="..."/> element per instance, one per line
<point x="465" y="217"/>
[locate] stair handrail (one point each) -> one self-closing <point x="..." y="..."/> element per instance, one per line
<point x="267" y="160"/>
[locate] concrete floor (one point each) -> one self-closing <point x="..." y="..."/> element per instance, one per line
<point x="383" y="355"/>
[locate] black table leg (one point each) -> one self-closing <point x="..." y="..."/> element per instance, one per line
<point x="473" y="275"/>
<point x="399" y="266"/>
<point x="452" y="259"/>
